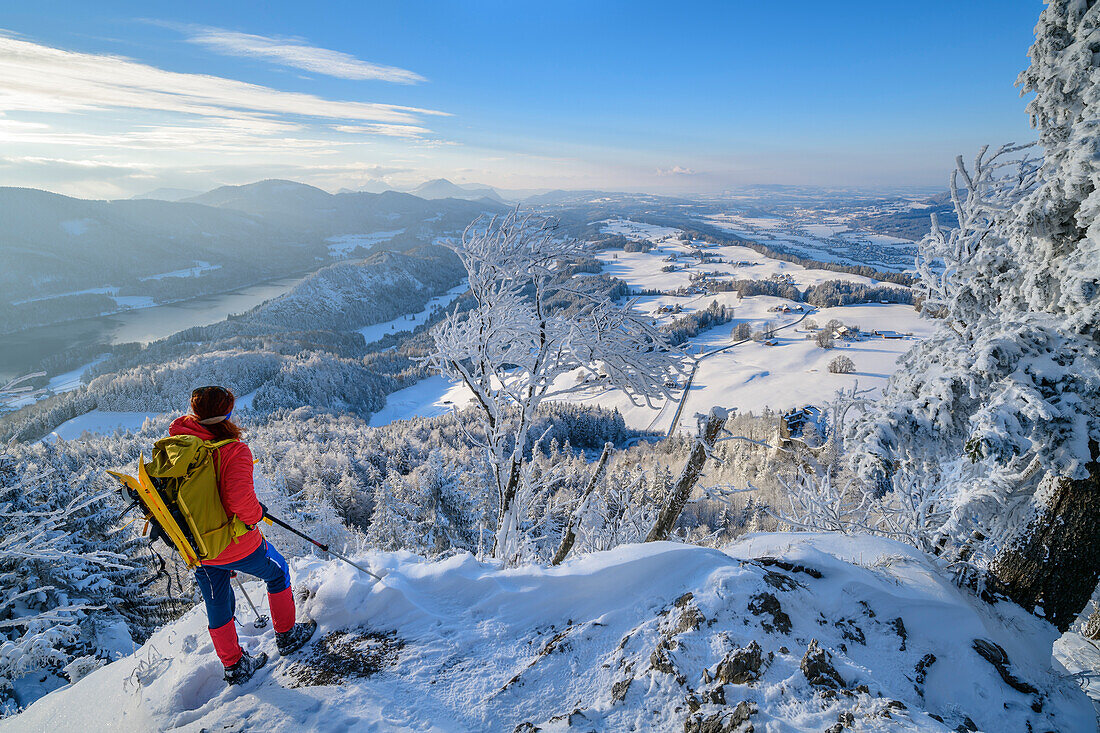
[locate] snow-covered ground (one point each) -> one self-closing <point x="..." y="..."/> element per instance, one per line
<point x="645" y="270"/>
<point x="1081" y="658"/>
<point x="787" y="631"/>
<point x="752" y="376"/>
<point x="636" y="230"/>
<point x="342" y="246"/>
<point x="124" y="302"/>
<point x="90" y="291"/>
<point x="66" y="382"/>
<point x="100" y="421"/>
<point x="408" y="322"/>
<point x="792" y="373"/>
<point x="429" y="397"/>
<point x="69" y="381"/>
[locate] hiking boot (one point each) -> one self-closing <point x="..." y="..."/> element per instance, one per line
<point x="294" y="639"/>
<point x="245" y="667"/>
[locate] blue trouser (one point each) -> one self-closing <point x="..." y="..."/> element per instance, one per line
<point x="214" y="581"/>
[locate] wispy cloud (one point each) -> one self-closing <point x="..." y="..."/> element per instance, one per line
<point x="84" y="168"/>
<point x="38" y="78"/>
<point x="405" y="131"/>
<point x="297" y="54"/>
<point x="676" y="170"/>
<point x="120" y="121"/>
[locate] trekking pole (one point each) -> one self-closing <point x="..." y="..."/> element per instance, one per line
<point x="261" y="620"/>
<point x="324" y="547"/>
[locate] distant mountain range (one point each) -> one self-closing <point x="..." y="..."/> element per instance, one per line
<point x="57" y="252"/>
<point x="441" y="188"/>
<point x="314" y="212"/>
<point x="438" y="188"/>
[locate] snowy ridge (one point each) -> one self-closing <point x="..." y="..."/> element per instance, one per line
<point x="630" y="639"/>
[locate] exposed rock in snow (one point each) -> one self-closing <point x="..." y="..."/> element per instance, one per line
<point x="658" y="636"/>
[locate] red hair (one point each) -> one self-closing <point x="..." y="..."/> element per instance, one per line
<point x="211" y="402"/>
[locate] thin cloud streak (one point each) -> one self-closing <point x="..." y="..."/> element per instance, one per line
<point x="404" y="131"/>
<point x="37" y="78"/>
<point x="298" y="55"/>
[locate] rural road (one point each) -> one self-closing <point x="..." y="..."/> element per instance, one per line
<point x="695" y="368"/>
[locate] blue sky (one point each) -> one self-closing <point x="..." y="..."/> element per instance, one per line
<point x="114" y="98"/>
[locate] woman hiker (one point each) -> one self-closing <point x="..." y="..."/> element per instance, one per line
<point x="211" y="409"/>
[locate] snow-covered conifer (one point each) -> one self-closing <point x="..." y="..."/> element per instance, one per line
<point x="1011" y="380"/>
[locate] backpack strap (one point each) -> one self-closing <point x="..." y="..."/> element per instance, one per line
<point x="213" y="445"/>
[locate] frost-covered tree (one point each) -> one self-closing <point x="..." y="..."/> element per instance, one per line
<point x="73" y="583"/>
<point x="842" y="365"/>
<point x="1001" y="404"/>
<point x="532" y="326"/>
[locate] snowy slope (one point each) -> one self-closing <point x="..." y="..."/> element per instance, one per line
<point x="100" y="421"/>
<point x="629" y="639"/>
<point x="429" y="397"/>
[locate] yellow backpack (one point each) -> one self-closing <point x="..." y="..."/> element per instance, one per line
<point x="178" y="489"/>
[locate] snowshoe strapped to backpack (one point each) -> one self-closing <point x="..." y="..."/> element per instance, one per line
<point x="178" y="490"/>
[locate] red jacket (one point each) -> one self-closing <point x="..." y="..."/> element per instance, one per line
<point x="235" y="486"/>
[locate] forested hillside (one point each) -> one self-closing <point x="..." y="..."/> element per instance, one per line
<point x="63" y="258"/>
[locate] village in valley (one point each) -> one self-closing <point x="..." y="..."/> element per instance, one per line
<point x="758" y="351"/>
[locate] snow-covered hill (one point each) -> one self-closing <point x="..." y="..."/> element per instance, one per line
<point x="779" y="632"/>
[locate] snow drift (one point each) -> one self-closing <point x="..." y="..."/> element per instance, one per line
<point x="777" y="632"/>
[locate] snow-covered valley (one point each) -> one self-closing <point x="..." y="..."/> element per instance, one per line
<point x="788" y="371"/>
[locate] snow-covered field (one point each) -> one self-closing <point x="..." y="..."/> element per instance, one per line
<point x="644" y="270"/>
<point x="124" y="302"/>
<point x="429" y="397"/>
<point x="792" y="373"/>
<point x="343" y="245"/>
<point x="752" y="376"/>
<point x="111" y="292"/>
<point x="100" y="421"/>
<point x="749" y="377"/>
<point x="198" y="269"/>
<point x="788" y="631"/>
<point x="408" y="322"/>
<point x="69" y="381"/>
<point x="636" y="230"/>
